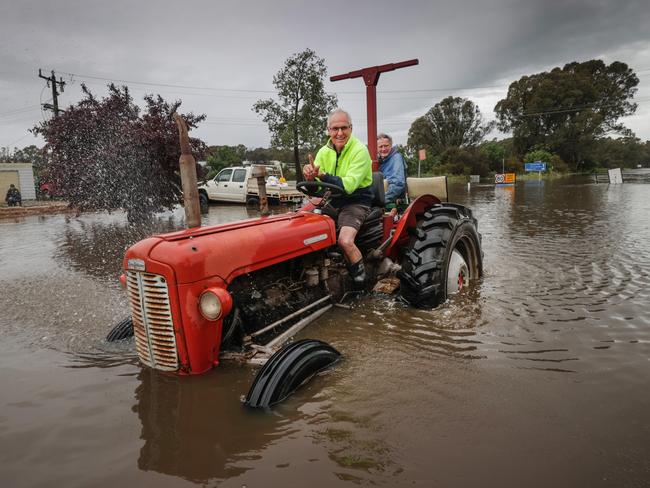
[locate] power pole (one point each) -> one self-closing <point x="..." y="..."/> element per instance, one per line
<point x="51" y="81"/>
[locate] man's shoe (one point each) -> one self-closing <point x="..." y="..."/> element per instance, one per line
<point x="357" y="273"/>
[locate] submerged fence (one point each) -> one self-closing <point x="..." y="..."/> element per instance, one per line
<point x="638" y="175"/>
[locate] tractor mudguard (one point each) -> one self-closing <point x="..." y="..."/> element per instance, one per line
<point x="289" y="368"/>
<point x="409" y="221"/>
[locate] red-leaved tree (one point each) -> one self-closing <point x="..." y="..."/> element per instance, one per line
<point x="108" y="154"/>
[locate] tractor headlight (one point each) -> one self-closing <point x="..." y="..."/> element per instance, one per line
<point x="215" y="303"/>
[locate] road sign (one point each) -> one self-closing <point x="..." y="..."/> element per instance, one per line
<point x="536" y="166"/>
<point x="505" y="178"/>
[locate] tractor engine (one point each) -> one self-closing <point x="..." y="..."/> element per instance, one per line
<point x="270" y="294"/>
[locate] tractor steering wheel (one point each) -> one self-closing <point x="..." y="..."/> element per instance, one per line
<point x="318" y="189"/>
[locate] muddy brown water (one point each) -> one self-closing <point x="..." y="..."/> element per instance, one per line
<point x="537" y="377"/>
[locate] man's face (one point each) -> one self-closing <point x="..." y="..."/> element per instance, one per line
<point x="339" y="130"/>
<point x="383" y="147"/>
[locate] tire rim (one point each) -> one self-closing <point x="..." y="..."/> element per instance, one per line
<point x="457" y="273"/>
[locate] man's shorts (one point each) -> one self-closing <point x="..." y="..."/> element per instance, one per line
<point x="352" y="215"/>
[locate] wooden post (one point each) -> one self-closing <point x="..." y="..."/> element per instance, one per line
<point x="259" y="172"/>
<point x="188" y="177"/>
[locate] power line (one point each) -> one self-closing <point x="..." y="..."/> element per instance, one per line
<point x="18" y="111"/>
<point x="190" y="87"/>
<point x="167" y="85"/>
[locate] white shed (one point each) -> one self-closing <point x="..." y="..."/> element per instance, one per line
<point x="21" y="175"/>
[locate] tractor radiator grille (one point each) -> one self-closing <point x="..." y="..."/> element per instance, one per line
<point x="153" y="326"/>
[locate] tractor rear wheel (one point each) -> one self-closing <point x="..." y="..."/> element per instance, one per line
<point x="443" y="255"/>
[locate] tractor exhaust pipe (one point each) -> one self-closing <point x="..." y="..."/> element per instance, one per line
<point x="187" y="166"/>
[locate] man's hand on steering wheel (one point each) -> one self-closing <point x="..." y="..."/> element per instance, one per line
<point x="319" y="188"/>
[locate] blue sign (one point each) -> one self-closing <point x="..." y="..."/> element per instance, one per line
<point x="536" y="166"/>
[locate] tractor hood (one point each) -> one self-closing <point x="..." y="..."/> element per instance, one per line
<point x="229" y="250"/>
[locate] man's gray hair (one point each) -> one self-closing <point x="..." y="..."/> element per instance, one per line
<point x="385" y="136"/>
<point x="338" y="110"/>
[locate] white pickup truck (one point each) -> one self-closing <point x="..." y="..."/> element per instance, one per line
<point x="235" y="184"/>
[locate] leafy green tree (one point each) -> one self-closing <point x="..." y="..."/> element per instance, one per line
<point x="263" y="155"/>
<point x="495" y="151"/>
<point x="454" y="122"/>
<point x="538" y="155"/>
<point x="220" y="157"/>
<point x="29" y="154"/>
<point x="297" y="121"/>
<point x="428" y="166"/>
<point x="460" y="161"/>
<point x="553" y="161"/>
<point x="104" y="154"/>
<point x="624" y="152"/>
<point x="568" y="108"/>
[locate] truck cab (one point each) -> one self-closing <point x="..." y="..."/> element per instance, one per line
<point x="229" y="185"/>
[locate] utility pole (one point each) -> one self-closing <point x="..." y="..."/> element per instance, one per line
<point x="51" y="81"/>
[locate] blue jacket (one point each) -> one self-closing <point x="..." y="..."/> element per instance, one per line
<point x="392" y="166"/>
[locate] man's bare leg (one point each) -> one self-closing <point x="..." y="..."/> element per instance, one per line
<point x="346" y="242"/>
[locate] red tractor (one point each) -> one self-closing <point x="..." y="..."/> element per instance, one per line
<point x="243" y="289"/>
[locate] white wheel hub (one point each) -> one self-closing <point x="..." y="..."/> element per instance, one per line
<point x="457" y="273"/>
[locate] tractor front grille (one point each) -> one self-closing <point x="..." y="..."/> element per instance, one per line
<point x="153" y="325"/>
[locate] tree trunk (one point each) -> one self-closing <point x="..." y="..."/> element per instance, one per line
<point x="296" y="159"/>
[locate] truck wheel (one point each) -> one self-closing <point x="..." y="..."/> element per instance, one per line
<point x="122" y="330"/>
<point x="204" y="203"/>
<point x="289" y="368"/>
<point x="252" y="201"/>
<point x="443" y="255"/>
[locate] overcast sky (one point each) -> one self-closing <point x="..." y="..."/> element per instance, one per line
<point x="221" y="56"/>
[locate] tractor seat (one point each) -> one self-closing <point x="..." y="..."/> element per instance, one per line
<point x="372" y="229"/>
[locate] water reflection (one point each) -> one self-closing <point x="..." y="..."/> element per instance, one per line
<point x="196" y="427"/>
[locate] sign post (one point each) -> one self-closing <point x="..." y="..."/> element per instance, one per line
<point x="538" y="166"/>
<point x="422" y="155"/>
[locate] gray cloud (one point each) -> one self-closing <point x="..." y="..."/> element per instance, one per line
<point x="480" y="46"/>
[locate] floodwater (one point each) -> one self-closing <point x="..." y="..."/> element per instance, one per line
<point x="538" y="376"/>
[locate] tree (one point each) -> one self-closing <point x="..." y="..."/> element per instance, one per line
<point x="453" y="122"/>
<point x="29" y="154"/>
<point x="496" y="154"/>
<point x="263" y="155"/>
<point x="104" y="155"/>
<point x="220" y="157"/>
<point x="624" y="152"/>
<point x="464" y="161"/>
<point x="568" y="108"/>
<point x="297" y="121"/>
